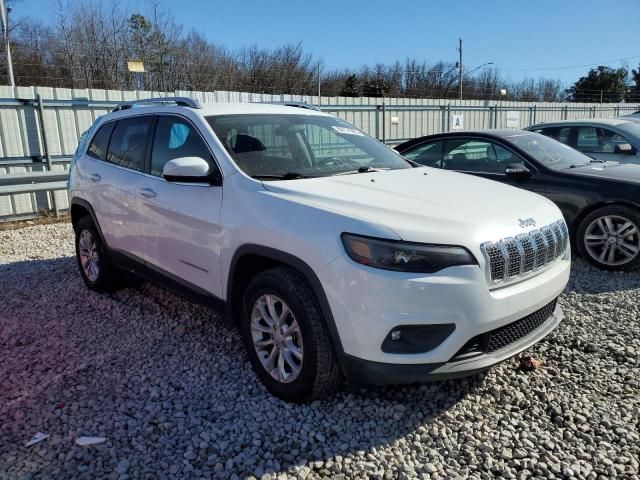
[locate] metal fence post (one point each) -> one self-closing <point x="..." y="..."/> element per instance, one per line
<point x="45" y="146"/>
<point x="384" y="123"/>
<point x="43" y="131"/>
<point x="377" y="110"/>
<point x="495" y="116"/>
<point x="565" y="112"/>
<point x="535" y="114"/>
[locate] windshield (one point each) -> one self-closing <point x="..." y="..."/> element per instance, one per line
<point x="286" y="146"/>
<point x="632" y="128"/>
<point x="549" y="152"/>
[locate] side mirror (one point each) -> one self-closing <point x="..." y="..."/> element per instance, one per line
<point x="188" y="170"/>
<point x="517" y="170"/>
<point x="624" y="149"/>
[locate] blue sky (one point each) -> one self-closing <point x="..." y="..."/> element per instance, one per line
<point x="522" y="38"/>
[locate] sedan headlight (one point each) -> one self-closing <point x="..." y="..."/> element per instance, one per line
<point x="405" y="256"/>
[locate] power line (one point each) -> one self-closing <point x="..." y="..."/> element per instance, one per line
<point x="569" y="67"/>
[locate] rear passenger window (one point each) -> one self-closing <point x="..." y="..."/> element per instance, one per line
<point x="128" y="144"/>
<point x="561" y="134"/>
<point x="476" y="156"/>
<point x="176" y="138"/>
<point x="100" y="142"/>
<point x="588" y="139"/>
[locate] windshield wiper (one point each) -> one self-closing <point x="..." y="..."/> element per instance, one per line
<point x="576" y="165"/>
<point x="360" y="170"/>
<point x="286" y="176"/>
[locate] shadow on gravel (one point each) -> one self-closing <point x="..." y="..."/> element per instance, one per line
<point x="167" y="382"/>
<point x="586" y="279"/>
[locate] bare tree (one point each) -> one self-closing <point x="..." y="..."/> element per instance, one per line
<point x="88" y="45"/>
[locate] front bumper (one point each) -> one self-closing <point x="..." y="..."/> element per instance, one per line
<point x="367" y="303"/>
<point x="377" y="373"/>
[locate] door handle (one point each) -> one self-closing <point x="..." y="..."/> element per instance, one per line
<point x="95" y="177"/>
<point x="147" y="193"/>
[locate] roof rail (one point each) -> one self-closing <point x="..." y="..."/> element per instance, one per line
<point x="179" y="101"/>
<point x="293" y="103"/>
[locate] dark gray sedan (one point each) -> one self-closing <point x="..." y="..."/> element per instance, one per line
<point x="613" y="139"/>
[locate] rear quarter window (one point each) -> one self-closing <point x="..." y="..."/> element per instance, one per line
<point x="100" y="142"/>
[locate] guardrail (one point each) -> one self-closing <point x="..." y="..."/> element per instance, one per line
<point x="34" y="182"/>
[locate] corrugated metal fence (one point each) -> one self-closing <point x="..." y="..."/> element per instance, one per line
<point x="40" y="136"/>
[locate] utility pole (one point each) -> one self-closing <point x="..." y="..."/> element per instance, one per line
<point x="319" y="102"/>
<point x="460" y="68"/>
<point x="7" y="47"/>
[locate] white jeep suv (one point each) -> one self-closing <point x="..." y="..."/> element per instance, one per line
<point x="336" y="257"/>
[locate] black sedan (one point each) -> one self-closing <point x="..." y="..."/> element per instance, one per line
<point x="599" y="200"/>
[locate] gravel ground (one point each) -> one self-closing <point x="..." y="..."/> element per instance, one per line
<point x="170" y="387"/>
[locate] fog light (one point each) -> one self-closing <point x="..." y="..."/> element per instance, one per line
<point x="416" y="338"/>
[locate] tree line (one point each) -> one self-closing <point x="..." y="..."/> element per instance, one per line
<point x="90" y="44"/>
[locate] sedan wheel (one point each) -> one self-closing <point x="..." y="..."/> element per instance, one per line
<point x="276" y="338"/>
<point x="612" y="240"/>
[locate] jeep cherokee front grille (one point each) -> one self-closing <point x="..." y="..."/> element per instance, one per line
<point x="510" y="258"/>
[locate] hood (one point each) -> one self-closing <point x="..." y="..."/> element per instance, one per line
<point x="426" y="204"/>
<point x="627" y="172"/>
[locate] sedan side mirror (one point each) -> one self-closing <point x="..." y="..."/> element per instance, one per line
<point x="517" y="170"/>
<point x="624" y="149"/>
<point x="188" y="170"/>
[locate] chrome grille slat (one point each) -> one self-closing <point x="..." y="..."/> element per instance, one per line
<point x="510" y="258"/>
<point x="562" y="239"/>
<point x="527" y="253"/>
<point x="541" y="248"/>
<point x="513" y="260"/>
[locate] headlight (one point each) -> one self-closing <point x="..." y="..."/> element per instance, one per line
<point x="405" y="256"/>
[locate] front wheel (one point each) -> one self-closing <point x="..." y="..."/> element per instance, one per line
<point x="286" y="338"/>
<point x="609" y="238"/>
<point x="94" y="263"/>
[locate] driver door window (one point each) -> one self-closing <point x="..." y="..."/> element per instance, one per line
<point x="598" y="140"/>
<point x="477" y="156"/>
<point x="176" y="138"/>
<point x="610" y="139"/>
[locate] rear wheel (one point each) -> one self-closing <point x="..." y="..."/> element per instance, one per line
<point x="286" y="338"/>
<point x="609" y="238"/>
<point x="94" y="263"/>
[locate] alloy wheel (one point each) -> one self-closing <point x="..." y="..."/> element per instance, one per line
<point x="612" y="240"/>
<point x="276" y="338"/>
<point x="89" y="258"/>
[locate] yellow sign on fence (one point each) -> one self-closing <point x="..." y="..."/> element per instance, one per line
<point x="135" y="66"/>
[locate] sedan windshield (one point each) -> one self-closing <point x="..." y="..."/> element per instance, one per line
<point x="549" y="152"/>
<point x="287" y="146"/>
<point x="632" y="129"/>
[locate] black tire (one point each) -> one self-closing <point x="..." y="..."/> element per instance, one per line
<point x="320" y="373"/>
<point x="108" y="278"/>
<point x="619" y="213"/>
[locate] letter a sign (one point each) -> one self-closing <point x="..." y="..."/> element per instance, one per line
<point x="457" y="122"/>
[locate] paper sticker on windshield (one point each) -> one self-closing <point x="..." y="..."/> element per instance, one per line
<point x="348" y="131"/>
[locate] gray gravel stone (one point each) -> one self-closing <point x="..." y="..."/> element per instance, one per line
<point x="168" y="383"/>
